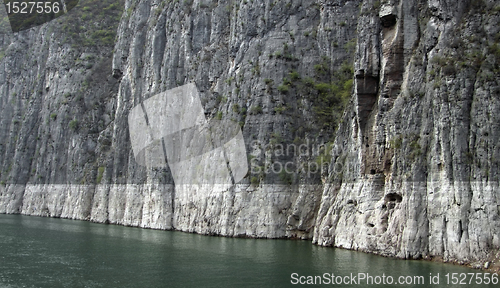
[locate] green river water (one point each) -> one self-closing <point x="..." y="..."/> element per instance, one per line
<point x="47" y="252"/>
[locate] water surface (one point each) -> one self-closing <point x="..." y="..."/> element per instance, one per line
<point x="48" y="252"/>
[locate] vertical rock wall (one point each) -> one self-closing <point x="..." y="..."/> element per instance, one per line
<point x="414" y="162"/>
<point x="420" y="145"/>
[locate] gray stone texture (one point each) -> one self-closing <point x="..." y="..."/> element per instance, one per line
<point x="415" y="158"/>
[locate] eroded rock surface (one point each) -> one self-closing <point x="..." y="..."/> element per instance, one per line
<point x="415" y="157"/>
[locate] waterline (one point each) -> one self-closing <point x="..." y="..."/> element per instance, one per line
<point x="48" y="252"/>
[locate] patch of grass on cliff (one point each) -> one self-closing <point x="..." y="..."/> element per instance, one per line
<point x="329" y="91"/>
<point x="396" y="142"/>
<point x="218" y="115"/>
<point x="255" y="181"/>
<point x="73" y="125"/>
<point x="332" y="96"/>
<point x="294" y="76"/>
<point x="285" y="54"/>
<point x="256" y="110"/>
<point x="350" y="46"/>
<point x="92" y="23"/>
<point x="447" y="65"/>
<point x="275" y="139"/>
<point x="285" y="177"/>
<point x="284" y="88"/>
<point x="280" y="109"/>
<point x="236" y="108"/>
<point x="100" y="174"/>
<point x="415" y="149"/>
<point x="325" y="156"/>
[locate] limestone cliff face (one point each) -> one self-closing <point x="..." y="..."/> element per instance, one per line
<point x="414" y="165"/>
<point x="242" y="57"/>
<point x="249" y="60"/>
<point x="420" y="143"/>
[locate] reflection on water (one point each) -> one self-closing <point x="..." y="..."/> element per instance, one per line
<point x="46" y="252"/>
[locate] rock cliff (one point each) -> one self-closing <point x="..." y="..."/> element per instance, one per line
<point x="393" y="103"/>
<point x="419" y="144"/>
